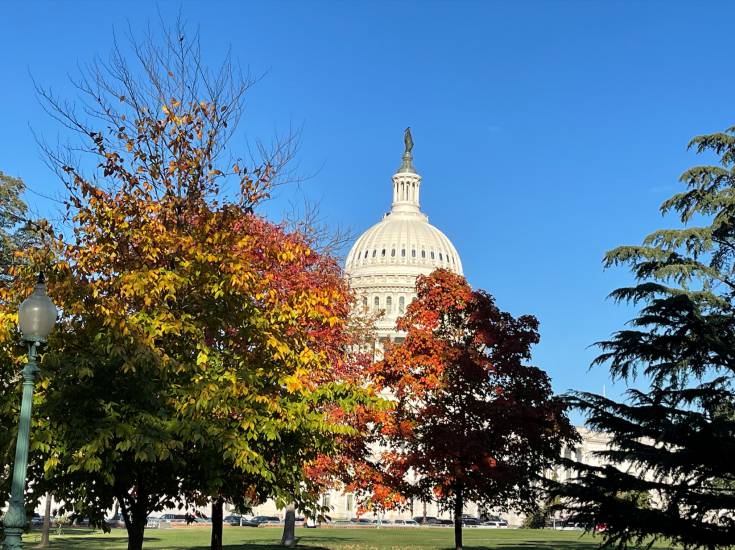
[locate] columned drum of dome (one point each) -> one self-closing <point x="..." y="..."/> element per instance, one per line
<point x="385" y="261"/>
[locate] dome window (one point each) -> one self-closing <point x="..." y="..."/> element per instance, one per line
<point x="413" y="253"/>
<point x="423" y="253"/>
<point x="403" y="252"/>
<point x="366" y="252"/>
<point x="393" y="253"/>
<point x="382" y="253"/>
<point x="401" y="305"/>
<point x="440" y="256"/>
<point x="374" y="253"/>
<point x="389" y="305"/>
<point x="432" y="254"/>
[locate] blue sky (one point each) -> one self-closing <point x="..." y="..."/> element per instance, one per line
<point x="546" y="132"/>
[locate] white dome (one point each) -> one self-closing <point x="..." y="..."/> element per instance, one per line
<point x="384" y="262"/>
<point x="402" y="240"/>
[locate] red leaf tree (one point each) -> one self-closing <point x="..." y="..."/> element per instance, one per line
<point x="472" y="421"/>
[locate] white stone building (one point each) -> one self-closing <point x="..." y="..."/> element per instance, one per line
<point x="382" y="267"/>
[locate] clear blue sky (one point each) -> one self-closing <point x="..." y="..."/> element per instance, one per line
<point x="546" y="132"/>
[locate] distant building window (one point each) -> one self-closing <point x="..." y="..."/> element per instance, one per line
<point x="349" y="503"/>
<point x="401" y="305"/>
<point x="393" y="252"/>
<point x="413" y="253"/>
<point x="374" y="253"/>
<point x="376" y="302"/>
<point x="423" y="253"/>
<point x="382" y="253"/>
<point x="364" y="302"/>
<point x="403" y="252"/>
<point x="432" y="254"/>
<point x="389" y="305"/>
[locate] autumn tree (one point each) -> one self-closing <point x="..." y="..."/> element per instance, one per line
<point x="669" y="473"/>
<point x="17" y="232"/>
<point x="472" y="420"/>
<point x="195" y="354"/>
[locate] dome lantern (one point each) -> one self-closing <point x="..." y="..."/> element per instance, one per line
<point x="406" y="182"/>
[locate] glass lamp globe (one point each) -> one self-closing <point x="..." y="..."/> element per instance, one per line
<point x="37" y="314"/>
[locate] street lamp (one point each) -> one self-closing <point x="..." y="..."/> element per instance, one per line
<point x="36" y="318"/>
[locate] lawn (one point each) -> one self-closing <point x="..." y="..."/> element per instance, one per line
<point x="329" y="539"/>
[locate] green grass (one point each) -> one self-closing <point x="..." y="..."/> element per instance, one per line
<point x="328" y="539"/>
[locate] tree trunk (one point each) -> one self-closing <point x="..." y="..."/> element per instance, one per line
<point x="458" y="508"/>
<point x="46" y="523"/>
<point x="217" y="514"/>
<point x="289" y="527"/>
<point x="424" y="522"/>
<point x="136" y="532"/>
<point x="136" y="517"/>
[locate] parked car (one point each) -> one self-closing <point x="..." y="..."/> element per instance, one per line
<point x="36" y="520"/>
<point x="470" y="522"/>
<point x="309" y="522"/>
<point x="232" y="520"/>
<point x="405" y="523"/>
<point x="382" y="522"/>
<point x="428" y="520"/>
<point x="116" y="522"/>
<point x="361" y="521"/>
<point x="494" y="522"/>
<point x="152" y="522"/>
<point x="259" y="521"/>
<point x="175" y="518"/>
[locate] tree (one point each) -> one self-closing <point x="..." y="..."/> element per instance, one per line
<point x="669" y="472"/>
<point x="197" y="338"/>
<point x="471" y="420"/>
<point x="17" y="232"/>
<point x="15" y="227"/>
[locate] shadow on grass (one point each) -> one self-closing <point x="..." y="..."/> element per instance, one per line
<point x="85" y="543"/>
<point x="532" y="545"/>
<point x="88" y="542"/>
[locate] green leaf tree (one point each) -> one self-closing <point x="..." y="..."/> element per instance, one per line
<point x="195" y="356"/>
<point x="17" y="232"/>
<point x="669" y="472"/>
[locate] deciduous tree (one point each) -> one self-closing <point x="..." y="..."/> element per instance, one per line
<point x="195" y="353"/>
<point x="472" y="420"/>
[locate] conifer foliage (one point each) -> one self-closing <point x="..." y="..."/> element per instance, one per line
<point x="672" y="474"/>
<point x="472" y="422"/>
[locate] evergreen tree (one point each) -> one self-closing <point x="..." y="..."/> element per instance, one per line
<point x="670" y="469"/>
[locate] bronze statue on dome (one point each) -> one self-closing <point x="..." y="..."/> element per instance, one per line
<point x="408" y="140"/>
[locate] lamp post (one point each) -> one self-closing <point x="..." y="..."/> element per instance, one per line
<point x="36" y="318"/>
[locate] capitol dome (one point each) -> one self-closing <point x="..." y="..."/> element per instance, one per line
<point x="385" y="261"/>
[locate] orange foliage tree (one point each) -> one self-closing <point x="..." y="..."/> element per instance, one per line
<point x="471" y="420"/>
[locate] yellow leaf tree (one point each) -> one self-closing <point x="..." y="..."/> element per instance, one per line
<point x="196" y="353"/>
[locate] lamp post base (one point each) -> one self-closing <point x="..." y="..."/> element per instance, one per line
<point x="13" y="539"/>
